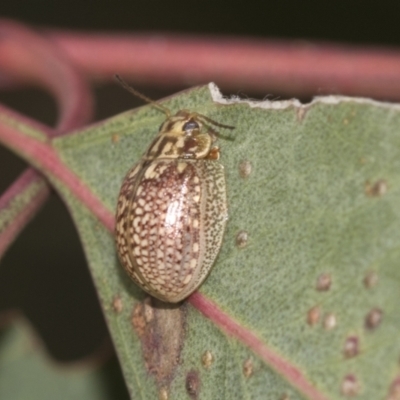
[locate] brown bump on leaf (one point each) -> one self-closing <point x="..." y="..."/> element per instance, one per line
<point x="193" y="384"/>
<point x="313" y="316"/>
<point x="377" y="189"/>
<point x="351" y="347"/>
<point x="300" y="113"/>
<point x="324" y="282"/>
<point x="330" y="321"/>
<point x="163" y="394"/>
<point x="117" y="304"/>
<point x="115" y="138"/>
<point x="161" y="330"/>
<point x="241" y="239"/>
<point x="350" y="386"/>
<point x="371" y="279"/>
<point x="245" y="169"/>
<point x="285" y="396"/>
<point x="207" y="359"/>
<point x="373" y="318"/>
<point x="248" y="368"/>
<point x="394" y="390"/>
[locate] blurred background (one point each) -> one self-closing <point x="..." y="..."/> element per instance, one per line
<point x="44" y="272"/>
<point x="354" y="21"/>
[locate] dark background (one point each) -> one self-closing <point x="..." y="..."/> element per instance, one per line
<point x="357" y="21"/>
<point x="45" y="272"/>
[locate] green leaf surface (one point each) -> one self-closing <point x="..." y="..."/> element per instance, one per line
<point x="26" y="372"/>
<point x="321" y="200"/>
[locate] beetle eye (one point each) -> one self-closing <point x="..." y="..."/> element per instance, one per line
<point x="190" y="125"/>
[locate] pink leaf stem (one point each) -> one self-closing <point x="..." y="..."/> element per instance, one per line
<point x="226" y="323"/>
<point x="24" y="54"/>
<point x="286" y="67"/>
<point x="29" y="56"/>
<point x="45" y="158"/>
<point x="20" y="185"/>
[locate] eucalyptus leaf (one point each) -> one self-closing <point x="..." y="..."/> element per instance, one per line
<point x="309" y="263"/>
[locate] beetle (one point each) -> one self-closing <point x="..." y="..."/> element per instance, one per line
<point x="172" y="206"/>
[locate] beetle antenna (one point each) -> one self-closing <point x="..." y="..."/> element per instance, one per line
<point x="211" y="121"/>
<point x="130" y="89"/>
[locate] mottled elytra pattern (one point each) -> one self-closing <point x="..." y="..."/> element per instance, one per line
<point x="172" y="210"/>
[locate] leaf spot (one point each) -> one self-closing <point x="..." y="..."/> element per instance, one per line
<point x="313" y="316"/>
<point x="351" y="347"/>
<point x="207" y="359"/>
<point x="117" y="304"/>
<point x="193" y="384"/>
<point x="241" y="239"/>
<point x="300" y="113"/>
<point x="371" y="279"/>
<point x="330" y="321"/>
<point x="377" y="189"/>
<point x="373" y="318"/>
<point x="248" y="368"/>
<point x="245" y="169"/>
<point x="350" y="386"/>
<point x="324" y="282"/>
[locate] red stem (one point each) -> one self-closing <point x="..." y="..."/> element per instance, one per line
<point x="289" y="67"/>
<point x="29" y="56"/>
<point x="26" y="55"/>
<point x="45" y="158"/>
<point x="292" y="374"/>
